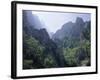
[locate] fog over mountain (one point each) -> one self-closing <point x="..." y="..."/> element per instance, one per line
<point x="69" y="46"/>
<point x="31" y="20"/>
<point x="54" y="20"/>
<point x="71" y="29"/>
<point x="35" y="33"/>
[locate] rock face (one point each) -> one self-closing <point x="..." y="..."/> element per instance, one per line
<point x="64" y="31"/>
<point x="70" y="29"/>
<point x="32" y="27"/>
<point x="31" y="20"/>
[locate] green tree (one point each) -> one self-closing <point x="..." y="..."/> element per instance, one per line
<point x="49" y="62"/>
<point x="70" y="56"/>
<point x="33" y="51"/>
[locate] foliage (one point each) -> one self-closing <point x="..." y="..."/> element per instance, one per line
<point x="27" y="64"/>
<point x="49" y="62"/>
<point x="33" y="50"/>
<point x="70" y="56"/>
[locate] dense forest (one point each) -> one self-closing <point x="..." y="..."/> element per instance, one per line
<point x="68" y="47"/>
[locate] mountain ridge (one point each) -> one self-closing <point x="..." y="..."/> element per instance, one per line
<point x="70" y="29"/>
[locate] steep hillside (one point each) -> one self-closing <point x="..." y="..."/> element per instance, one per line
<point x="70" y="29"/>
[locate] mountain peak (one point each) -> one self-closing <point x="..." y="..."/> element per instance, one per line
<point x="30" y="19"/>
<point x="79" y="20"/>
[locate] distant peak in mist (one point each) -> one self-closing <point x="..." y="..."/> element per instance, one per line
<point x="79" y="20"/>
<point x="30" y="19"/>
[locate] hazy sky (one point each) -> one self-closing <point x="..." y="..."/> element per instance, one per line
<point x="53" y="21"/>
